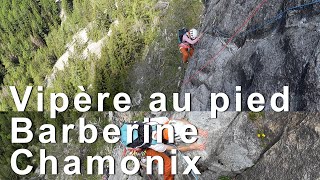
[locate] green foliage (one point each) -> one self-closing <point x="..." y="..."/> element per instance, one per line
<point x="180" y="13"/>
<point x="138" y="116"/>
<point x="124" y="47"/>
<point x="30" y="54"/>
<point x="24" y="25"/>
<point x="38" y="119"/>
<point x="67" y="5"/>
<point x="25" y="58"/>
<point x="224" y="178"/>
<point x="7" y="148"/>
<point x="32" y="38"/>
<point x="102" y="21"/>
<point x="255" y="116"/>
<point x="131" y="35"/>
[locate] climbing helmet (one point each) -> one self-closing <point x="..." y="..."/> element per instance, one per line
<point x="193" y="33"/>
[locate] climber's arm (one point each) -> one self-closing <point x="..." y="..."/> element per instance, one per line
<point x="201" y="132"/>
<point x="191" y="147"/>
<point x="185" y="121"/>
<point x="190" y="41"/>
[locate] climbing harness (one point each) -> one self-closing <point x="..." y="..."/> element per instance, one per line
<point x="139" y="153"/>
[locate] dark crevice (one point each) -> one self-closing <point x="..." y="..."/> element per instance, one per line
<point x="302" y="85"/>
<point x="255" y="61"/>
<point x="202" y="168"/>
<point x="282" y="25"/>
<point x="240" y="40"/>
<point x="246" y="82"/>
<point x="302" y="88"/>
<point x="245" y="76"/>
<point x="285" y="44"/>
<point x="221" y="138"/>
<point x="219" y="161"/>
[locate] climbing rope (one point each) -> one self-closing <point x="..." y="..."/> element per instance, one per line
<point x="279" y="16"/>
<point x="269" y="21"/>
<point x="257" y="27"/>
<point x="252" y="14"/>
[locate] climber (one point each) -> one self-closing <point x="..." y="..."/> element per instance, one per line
<point x="159" y="149"/>
<point x="186" y="41"/>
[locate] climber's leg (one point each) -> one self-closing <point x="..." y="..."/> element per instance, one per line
<point x="167" y="163"/>
<point x="185" y="54"/>
<point x="191" y="50"/>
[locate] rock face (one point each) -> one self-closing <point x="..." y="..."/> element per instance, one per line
<point x="294" y="156"/>
<point x="290" y="149"/>
<point x="281" y="53"/>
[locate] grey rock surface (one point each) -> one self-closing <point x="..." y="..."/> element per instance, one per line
<point x="233" y="148"/>
<point x="284" y="53"/>
<point x="294" y="156"/>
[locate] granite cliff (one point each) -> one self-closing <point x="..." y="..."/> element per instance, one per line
<point x="279" y="47"/>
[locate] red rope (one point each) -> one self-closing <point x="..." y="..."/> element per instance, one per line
<point x="253" y="13"/>
<point x="124" y="152"/>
